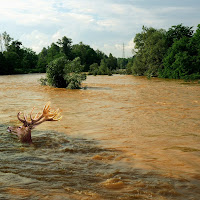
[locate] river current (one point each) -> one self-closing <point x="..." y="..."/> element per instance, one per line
<point x="121" y="137"/>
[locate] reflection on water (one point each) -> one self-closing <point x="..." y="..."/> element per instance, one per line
<point x="96" y="88"/>
<point x="123" y="137"/>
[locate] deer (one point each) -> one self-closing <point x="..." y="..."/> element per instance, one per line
<point x="24" y="131"/>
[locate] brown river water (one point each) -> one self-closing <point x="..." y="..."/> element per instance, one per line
<point x="121" y="137"/>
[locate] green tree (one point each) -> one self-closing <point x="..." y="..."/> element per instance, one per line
<point x="151" y="48"/>
<point x="54" y="51"/>
<point x="100" y="56"/>
<point x="63" y="73"/>
<point x="74" y="66"/>
<point x="42" y="60"/>
<point x="47" y="55"/>
<point x="129" y="66"/>
<point x="176" y="33"/>
<point x="111" y="62"/>
<point x="14" y="57"/>
<point x="3" y="64"/>
<point x="74" y="80"/>
<point x="122" y="62"/>
<point x="73" y="75"/>
<point x="94" y="69"/>
<point x="5" y="40"/>
<point x="87" y="55"/>
<point x="29" y="60"/>
<point x="182" y="60"/>
<point x="66" y="47"/>
<point x="13" y="61"/>
<point x="104" y="69"/>
<point x="55" y="73"/>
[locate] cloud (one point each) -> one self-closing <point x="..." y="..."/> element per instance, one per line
<point x="103" y="24"/>
<point x="36" y="40"/>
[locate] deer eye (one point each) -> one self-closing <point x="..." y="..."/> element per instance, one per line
<point x="19" y="127"/>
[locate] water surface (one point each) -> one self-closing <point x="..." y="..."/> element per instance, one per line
<point x="121" y="137"/>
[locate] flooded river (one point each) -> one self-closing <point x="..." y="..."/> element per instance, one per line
<point x="120" y="138"/>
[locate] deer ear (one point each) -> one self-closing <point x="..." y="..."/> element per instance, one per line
<point x="32" y="127"/>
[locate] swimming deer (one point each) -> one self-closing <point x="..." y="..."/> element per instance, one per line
<point x="24" y="132"/>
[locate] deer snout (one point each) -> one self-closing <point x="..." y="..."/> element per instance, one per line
<point x="9" y="129"/>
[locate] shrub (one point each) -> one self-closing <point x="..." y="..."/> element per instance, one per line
<point x="43" y="81"/>
<point x="74" y="80"/>
<point x="103" y="69"/>
<point x="94" y="68"/>
<point x="55" y="72"/>
<point x="63" y="73"/>
<point x="73" y="76"/>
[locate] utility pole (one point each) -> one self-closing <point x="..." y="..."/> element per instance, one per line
<point x="123" y="52"/>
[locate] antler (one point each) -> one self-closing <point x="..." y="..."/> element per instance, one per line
<point x="47" y="115"/>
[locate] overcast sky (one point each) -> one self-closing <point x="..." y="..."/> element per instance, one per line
<point x="102" y="24"/>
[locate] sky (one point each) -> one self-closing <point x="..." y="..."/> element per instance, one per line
<point x="103" y="24"/>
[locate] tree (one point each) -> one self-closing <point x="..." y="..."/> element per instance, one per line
<point x="122" y="62"/>
<point x="54" y="51"/>
<point x="73" y="75"/>
<point x="42" y="60"/>
<point x="129" y="66"/>
<point x="5" y="40"/>
<point x="47" y="55"/>
<point x="182" y="60"/>
<point x="87" y="55"/>
<point x="55" y="73"/>
<point x="3" y="64"/>
<point x="100" y="56"/>
<point x="63" y="73"/>
<point x="176" y="33"/>
<point x="112" y="62"/>
<point x="66" y="46"/>
<point x="13" y="61"/>
<point x="94" y="69"/>
<point x="29" y="60"/>
<point x="103" y="69"/>
<point x="151" y="48"/>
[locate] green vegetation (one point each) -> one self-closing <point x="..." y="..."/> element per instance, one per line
<point x="14" y="58"/>
<point x="73" y="74"/>
<point x="168" y="54"/>
<point x="63" y="62"/>
<point x="151" y="49"/>
<point x="174" y="53"/>
<point x="55" y="72"/>
<point x="63" y="73"/>
<point x="182" y="60"/>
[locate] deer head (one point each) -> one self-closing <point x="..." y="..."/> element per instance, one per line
<point x="24" y="131"/>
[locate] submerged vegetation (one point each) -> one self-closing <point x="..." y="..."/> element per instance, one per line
<point x="174" y="53"/>
<point x="63" y="73"/>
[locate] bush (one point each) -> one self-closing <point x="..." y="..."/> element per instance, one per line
<point x="94" y="68"/>
<point x="43" y="81"/>
<point x="63" y="73"/>
<point x="103" y="69"/>
<point x="55" y="73"/>
<point x="74" y="80"/>
<point x="73" y="76"/>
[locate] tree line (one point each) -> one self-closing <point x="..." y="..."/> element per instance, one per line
<point x="174" y="53"/>
<point x="14" y="58"/>
<point x="168" y="54"/>
<point x="17" y="59"/>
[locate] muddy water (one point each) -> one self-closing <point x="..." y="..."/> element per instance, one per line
<point x="121" y="137"/>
